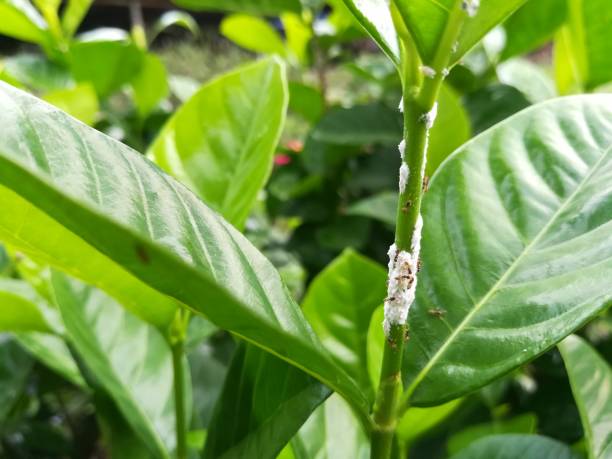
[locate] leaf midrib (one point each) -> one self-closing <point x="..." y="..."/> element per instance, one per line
<point x="493" y="290"/>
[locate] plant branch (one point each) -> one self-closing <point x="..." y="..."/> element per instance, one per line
<point x="419" y="104"/>
<point x="177" y="344"/>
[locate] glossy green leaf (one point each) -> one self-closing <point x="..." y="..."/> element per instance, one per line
<point x="450" y="131"/>
<point x="529" y="78"/>
<point x="492" y="104"/>
<point x="150" y="84"/>
<point x="263" y="7"/>
<point x="523" y="424"/>
<point x="332" y="432"/>
<point x="106" y="59"/>
<point x="375" y="17"/>
<point x="22" y="309"/>
<point x="516" y="249"/>
<point x="37" y="73"/>
<point x="130" y="360"/>
<point x="418" y="421"/>
<point x="359" y="125"/>
<point x="591" y="379"/>
<point x="532" y="25"/>
<point x="252" y="33"/>
<point x="427" y="20"/>
<point x="376" y="345"/>
<point x="22" y="21"/>
<point x="339" y="304"/>
<point x="583" y="49"/>
<point x="516" y="446"/>
<point x="53" y="352"/>
<point x="15" y="367"/>
<point x="73" y="15"/>
<point x="175" y="18"/>
<point x="263" y="404"/>
<point x="128" y="227"/>
<point x="222" y="141"/>
<point x="382" y="206"/>
<point x="80" y="101"/>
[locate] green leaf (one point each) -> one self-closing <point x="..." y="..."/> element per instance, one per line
<point x="298" y="35"/>
<point x="529" y="78"/>
<point x="306" y="101"/>
<point x="37" y="72"/>
<point x="53" y="352"/>
<point x="427" y="20"/>
<point x="15" y="367"/>
<point x="376" y="345"/>
<point x="516" y="249"/>
<point x="221" y="142"/>
<point x="80" y="101"/>
<point x="174" y="18"/>
<point x="339" y="304"/>
<point x="73" y="15"/>
<point x="130" y="360"/>
<point x="22" y="21"/>
<point x="417" y="421"/>
<point x="252" y="33"/>
<point x="107" y="59"/>
<point x="375" y="17"/>
<point x="381" y="206"/>
<point x="532" y="25"/>
<point x="129" y="228"/>
<point x="590" y="377"/>
<point x="263" y="404"/>
<point x="523" y="424"/>
<point x="22" y="309"/>
<point x="450" y="131"/>
<point x="516" y="446"/>
<point x="359" y="125"/>
<point x="262" y="7"/>
<point x="492" y="104"/>
<point x="332" y="432"/>
<point x="583" y="48"/>
<point x="150" y="84"/>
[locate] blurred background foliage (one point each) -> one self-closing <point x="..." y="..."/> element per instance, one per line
<point x="125" y="68"/>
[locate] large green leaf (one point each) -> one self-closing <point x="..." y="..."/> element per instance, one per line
<point x="80" y="101"/>
<point x="263" y="7"/>
<point x="332" y="432"/>
<point x="516" y="250"/>
<point x="22" y="309"/>
<point x="129" y="359"/>
<point x="532" y="25"/>
<point x="22" y="21"/>
<point x="339" y="304"/>
<point x="221" y="142"/>
<point x="516" y="446"/>
<point x="73" y="14"/>
<point x="150" y="84"/>
<point x="375" y="17"/>
<point x="127" y="226"/>
<point x="591" y="379"/>
<point x="263" y="404"/>
<point x="427" y="20"/>
<point x="583" y="48"/>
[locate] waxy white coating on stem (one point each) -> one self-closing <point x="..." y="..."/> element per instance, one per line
<point x="401" y="105"/>
<point x="404" y="173"/>
<point x="470" y="7"/>
<point x="401" y="285"/>
<point x="402" y="148"/>
<point x="445" y="72"/>
<point x="430" y="117"/>
<point x="427" y="71"/>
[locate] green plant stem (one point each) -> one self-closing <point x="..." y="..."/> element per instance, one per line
<point x="418" y="104"/>
<point x="179" y="399"/>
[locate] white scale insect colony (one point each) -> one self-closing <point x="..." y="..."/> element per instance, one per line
<point x="401" y="285"/>
<point x="470" y="7"/>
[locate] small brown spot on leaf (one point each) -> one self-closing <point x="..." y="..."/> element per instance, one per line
<point x="143" y="254"/>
